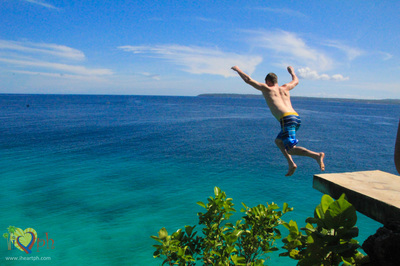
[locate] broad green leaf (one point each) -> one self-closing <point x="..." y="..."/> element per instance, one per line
<point x="286" y="225"/>
<point x="291" y="237"/>
<point x="189" y="229"/>
<point x="201" y="204"/>
<point x="310" y="240"/>
<point x="294" y="254"/>
<point x="312" y="220"/>
<point x="293" y="226"/>
<point x="230" y="239"/>
<point x="286" y="208"/>
<point x="162" y="234"/>
<point x="326" y="200"/>
<point x="341" y="213"/>
<point x="215" y="253"/>
<point x="156" y="239"/>
<point x="319" y="212"/>
<point x="181" y="252"/>
<point x="348" y="261"/>
<point x="352" y="232"/>
<point x="217" y="191"/>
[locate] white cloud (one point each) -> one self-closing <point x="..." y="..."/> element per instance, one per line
<point x="64" y="76"/>
<point x="351" y="52"/>
<point x="207" y="20"/>
<point x="53" y="59"/>
<point x="198" y="60"/>
<point x="307" y="73"/>
<point x="58" y="67"/>
<point x="288" y="47"/>
<point x="385" y="56"/>
<point x="42" y="48"/>
<point x="42" y="3"/>
<point x="149" y="75"/>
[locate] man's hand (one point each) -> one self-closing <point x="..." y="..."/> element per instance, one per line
<point x="294" y="81"/>
<point x="290" y="70"/>
<point x="235" y="68"/>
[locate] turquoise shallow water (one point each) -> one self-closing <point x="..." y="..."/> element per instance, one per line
<point x="100" y="174"/>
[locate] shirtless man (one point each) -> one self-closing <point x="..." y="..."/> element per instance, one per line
<point x="278" y="100"/>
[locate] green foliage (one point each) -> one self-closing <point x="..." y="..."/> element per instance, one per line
<point x="260" y="231"/>
<point x="330" y="241"/>
<point x="222" y="243"/>
<point x="328" y="237"/>
<point x="179" y="247"/>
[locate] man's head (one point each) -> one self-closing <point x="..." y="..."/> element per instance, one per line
<point x="271" y="79"/>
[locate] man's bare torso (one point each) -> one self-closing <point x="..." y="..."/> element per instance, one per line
<point x="278" y="100"/>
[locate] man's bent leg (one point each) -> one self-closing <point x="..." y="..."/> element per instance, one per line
<point x="300" y="151"/>
<point x="292" y="165"/>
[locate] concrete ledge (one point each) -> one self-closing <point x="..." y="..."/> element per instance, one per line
<point x="373" y="193"/>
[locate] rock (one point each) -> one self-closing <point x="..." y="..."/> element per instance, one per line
<point x="383" y="248"/>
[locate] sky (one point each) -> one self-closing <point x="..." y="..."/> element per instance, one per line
<point x="339" y="49"/>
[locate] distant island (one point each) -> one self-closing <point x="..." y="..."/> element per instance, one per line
<point x="259" y="96"/>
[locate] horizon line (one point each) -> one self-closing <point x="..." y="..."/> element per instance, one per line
<point x="227" y="95"/>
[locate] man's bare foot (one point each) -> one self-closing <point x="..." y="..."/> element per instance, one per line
<point x="292" y="168"/>
<point x="321" y="161"/>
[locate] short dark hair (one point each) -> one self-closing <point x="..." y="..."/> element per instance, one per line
<point x="272" y="77"/>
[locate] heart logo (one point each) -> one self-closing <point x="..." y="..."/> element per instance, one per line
<point x="24" y="239"/>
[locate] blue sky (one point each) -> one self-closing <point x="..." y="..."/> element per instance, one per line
<point x="346" y="49"/>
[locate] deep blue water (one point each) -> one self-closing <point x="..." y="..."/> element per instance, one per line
<point x="101" y="174"/>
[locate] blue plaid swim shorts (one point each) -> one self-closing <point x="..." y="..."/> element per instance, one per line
<point x="290" y="123"/>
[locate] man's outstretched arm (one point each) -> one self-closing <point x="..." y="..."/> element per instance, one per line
<point x="257" y="85"/>
<point x="294" y="81"/>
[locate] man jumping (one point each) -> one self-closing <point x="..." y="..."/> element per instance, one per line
<point x="278" y="100"/>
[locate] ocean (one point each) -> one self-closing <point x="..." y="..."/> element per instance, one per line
<point x="96" y="176"/>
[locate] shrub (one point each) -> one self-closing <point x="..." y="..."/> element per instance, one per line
<point x="330" y="241"/>
<point x="248" y="240"/>
<point x="222" y="243"/>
